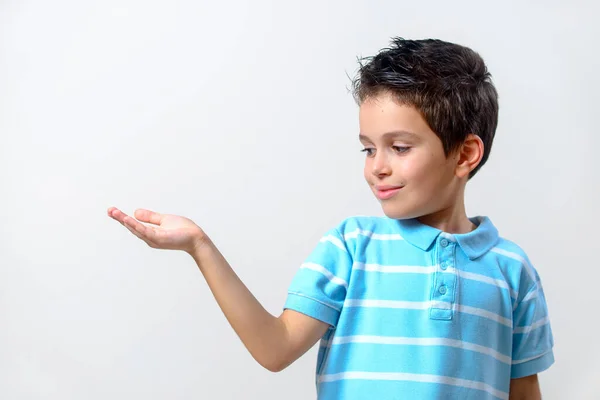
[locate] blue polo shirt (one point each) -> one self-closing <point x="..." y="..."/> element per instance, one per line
<point x="417" y="313"/>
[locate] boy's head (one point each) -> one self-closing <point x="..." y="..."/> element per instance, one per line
<point x="428" y="115"/>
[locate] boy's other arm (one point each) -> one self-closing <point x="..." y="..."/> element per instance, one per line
<point x="526" y="388"/>
<point x="274" y="342"/>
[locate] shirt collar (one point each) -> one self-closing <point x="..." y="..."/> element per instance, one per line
<point x="474" y="244"/>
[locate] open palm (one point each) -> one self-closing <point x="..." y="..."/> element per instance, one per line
<point x="161" y="231"/>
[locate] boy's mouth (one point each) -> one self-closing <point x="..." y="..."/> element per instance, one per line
<point x="386" y="192"/>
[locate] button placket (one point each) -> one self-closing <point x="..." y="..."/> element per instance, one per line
<point x="444" y="282"/>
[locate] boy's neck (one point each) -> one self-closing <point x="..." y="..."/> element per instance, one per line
<point x="452" y="219"/>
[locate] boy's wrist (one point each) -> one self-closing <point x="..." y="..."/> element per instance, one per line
<point x="202" y="249"/>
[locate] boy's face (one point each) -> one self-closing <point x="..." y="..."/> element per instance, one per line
<point x="405" y="164"/>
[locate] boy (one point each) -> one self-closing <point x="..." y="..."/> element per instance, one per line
<point x="424" y="303"/>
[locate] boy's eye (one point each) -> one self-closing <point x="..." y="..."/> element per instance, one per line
<point x="368" y="151"/>
<point x="401" y="149"/>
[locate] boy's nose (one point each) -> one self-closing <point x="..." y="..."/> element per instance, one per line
<point x="381" y="166"/>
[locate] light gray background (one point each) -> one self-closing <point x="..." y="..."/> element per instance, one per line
<point x="237" y="115"/>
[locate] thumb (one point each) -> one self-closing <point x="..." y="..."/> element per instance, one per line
<point x="148" y="216"/>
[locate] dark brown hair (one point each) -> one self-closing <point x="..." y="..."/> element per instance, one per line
<point x="448" y="83"/>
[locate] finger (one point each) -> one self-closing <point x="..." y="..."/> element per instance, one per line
<point x="147" y="232"/>
<point x="148" y="216"/>
<point x="137" y="232"/>
<point x="117" y="215"/>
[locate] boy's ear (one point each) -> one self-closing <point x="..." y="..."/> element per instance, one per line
<point x="469" y="155"/>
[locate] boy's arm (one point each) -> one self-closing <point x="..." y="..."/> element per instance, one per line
<point x="527" y="388"/>
<point x="274" y="342"/>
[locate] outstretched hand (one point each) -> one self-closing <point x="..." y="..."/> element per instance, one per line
<point x="163" y="231"/>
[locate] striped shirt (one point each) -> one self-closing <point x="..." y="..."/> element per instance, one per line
<point x="417" y="313"/>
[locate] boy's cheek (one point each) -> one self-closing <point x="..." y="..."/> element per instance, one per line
<point x="367" y="172"/>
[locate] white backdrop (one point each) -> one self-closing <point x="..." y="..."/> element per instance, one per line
<point x="238" y="115"/>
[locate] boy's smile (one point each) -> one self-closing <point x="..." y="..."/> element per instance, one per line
<point x="384" y="192"/>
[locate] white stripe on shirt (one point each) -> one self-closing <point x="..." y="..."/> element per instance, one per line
<point x="519" y="258"/>
<point x="397" y="269"/>
<point x="397" y="376"/>
<point x="335" y="240"/>
<point x="376" y="236"/>
<point x="325" y="272"/>
<point x="535" y="325"/>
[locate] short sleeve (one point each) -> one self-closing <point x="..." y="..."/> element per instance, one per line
<point x="532" y="334"/>
<point x="319" y="287"/>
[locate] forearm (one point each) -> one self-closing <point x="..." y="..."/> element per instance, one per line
<point x="264" y="335"/>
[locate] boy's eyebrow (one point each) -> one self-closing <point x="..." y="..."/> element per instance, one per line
<point x="394" y="134"/>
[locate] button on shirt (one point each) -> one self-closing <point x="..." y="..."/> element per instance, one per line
<point x="417" y="313"/>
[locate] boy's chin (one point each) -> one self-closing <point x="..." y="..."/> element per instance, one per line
<point x="399" y="213"/>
